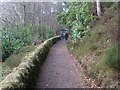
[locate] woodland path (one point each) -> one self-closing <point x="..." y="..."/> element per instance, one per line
<point x="60" y="70"/>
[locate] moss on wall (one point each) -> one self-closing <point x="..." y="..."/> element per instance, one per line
<point x="25" y="75"/>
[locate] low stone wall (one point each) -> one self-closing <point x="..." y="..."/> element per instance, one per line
<point x="25" y="75"/>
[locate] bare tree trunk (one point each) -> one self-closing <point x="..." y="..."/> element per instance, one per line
<point x="98" y="8"/>
<point x="119" y="22"/>
<point x="24" y="17"/>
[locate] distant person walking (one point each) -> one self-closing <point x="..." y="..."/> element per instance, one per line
<point x="66" y="36"/>
<point x="62" y="36"/>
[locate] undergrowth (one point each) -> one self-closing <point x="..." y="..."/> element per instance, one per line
<point x="97" y="53"/>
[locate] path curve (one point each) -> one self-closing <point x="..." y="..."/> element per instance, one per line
<point x="59" y="69"/>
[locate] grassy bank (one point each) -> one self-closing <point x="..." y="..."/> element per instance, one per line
<point x="98" y="53"/>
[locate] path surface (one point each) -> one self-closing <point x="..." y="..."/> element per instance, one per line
<point x="59" y="70"/>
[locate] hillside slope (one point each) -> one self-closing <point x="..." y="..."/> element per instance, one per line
<point x="98" y="49"/>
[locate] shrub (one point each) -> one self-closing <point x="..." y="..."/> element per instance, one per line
<point x="16" y="37"/>
<point x="113" y="58"/>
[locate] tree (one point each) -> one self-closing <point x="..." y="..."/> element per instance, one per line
<point x="24" y="22"/>
<point x="98" y="8"/>
<point x="77" y="19"/>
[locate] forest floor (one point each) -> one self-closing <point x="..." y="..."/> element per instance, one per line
<point x="62" y="70"/>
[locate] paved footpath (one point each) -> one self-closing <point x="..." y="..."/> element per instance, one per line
<point x="59" y="69"/>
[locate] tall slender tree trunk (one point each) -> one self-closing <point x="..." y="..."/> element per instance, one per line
<point x="118" y="22"/>
<point x="98" y="7"/>
<point x="24" y="11"/>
